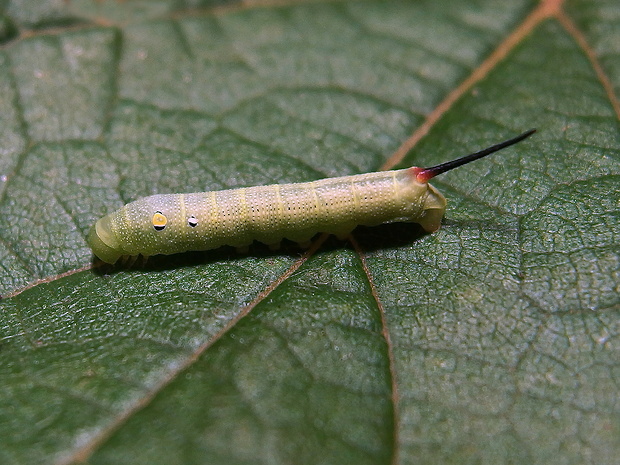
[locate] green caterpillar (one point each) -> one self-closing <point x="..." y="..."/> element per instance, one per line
<point x="173" y="223"/>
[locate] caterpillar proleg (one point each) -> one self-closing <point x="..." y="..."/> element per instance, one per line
<point x="173" y="223"/>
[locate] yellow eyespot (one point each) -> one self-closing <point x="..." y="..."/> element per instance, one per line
<point x="159" y="221"/>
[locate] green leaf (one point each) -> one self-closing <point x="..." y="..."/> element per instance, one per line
<point x="493" y="340"/>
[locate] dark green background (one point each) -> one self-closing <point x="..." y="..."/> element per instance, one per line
<point x="493" y="341"/>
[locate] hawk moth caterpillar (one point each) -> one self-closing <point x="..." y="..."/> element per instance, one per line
<point x="173" y="223"/>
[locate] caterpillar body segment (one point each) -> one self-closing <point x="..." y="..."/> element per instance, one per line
<point x="173" y="223"/>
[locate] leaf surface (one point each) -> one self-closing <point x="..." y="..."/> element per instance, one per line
<point x="494" y="340"/>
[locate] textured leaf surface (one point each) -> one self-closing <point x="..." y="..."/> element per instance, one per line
<point x="494" y="340"/>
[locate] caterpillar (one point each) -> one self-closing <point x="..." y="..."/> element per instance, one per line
<point x="173" y="223"/>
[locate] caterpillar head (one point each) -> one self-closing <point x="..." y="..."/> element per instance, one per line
<point x="104" y="242"/>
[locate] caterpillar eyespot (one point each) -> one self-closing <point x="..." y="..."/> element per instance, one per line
<point x="173" y="223"/>
<point x="159" y="221"/>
